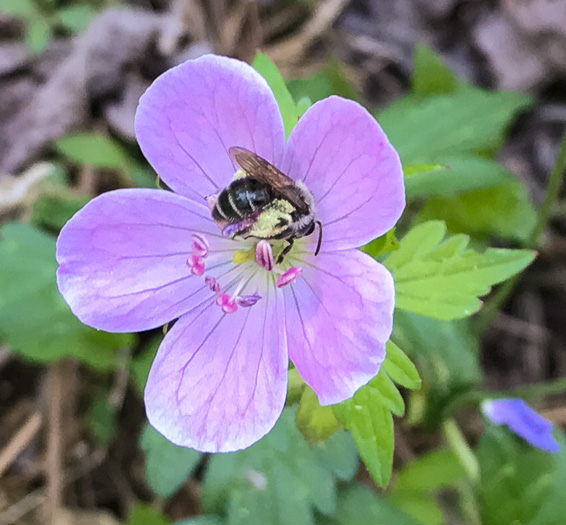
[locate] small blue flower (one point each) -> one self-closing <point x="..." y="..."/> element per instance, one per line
<point x="523" y="421"/>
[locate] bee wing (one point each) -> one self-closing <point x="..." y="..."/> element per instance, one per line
<point x="259" y="169"/>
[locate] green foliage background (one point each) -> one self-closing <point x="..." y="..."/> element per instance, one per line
<point x="307" y="470"/>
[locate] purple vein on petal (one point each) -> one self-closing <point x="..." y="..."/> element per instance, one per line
<point x="318" y="201"/>
<point x="173" y="132"/>
<point x="337" y="277"/>
<point x="213" y="395"/>
<point x="350" y="212"/>
<point x="305" y="280"/>
<point x="260" y="360"/>
<point x="315" y="153"/>
<point x="292" y="291"/>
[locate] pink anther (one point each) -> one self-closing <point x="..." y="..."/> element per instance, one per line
<point x="199" y="245"/>
<point x="212" y="283"/>
<point x="196" y="264"/>
<point x="288" y="277"/>
<point x="228" y="305"/>
<point x="264" y="255"/>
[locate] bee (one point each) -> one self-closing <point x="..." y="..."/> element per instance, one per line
<point x="264" y="203"/>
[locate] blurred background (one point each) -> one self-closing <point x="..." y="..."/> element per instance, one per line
<point x="74" y="446"/>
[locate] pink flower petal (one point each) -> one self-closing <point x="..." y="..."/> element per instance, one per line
<point x="339" y="316"/>
<point x="123" y="259"/>
<point x="218" y="382"/>
<point x="192" y="114"/>
<point x="338" y="149"/>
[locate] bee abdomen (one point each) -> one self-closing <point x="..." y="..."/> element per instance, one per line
<point x="240" y="199"/>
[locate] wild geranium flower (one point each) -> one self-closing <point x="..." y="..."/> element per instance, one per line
<point x="135" y="259"/>
<point x="523" y="421"/>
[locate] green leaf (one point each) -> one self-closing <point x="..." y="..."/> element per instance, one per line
<point x="400" y="368"/>
<point x="202" y="520"/>
<point x="520" y="484"/>
<point x="462" y="174"/>
<point x="101" y="419"/>
<point x="76" y="18"/>
<point x="143" y="514"/>
<point x="385" y="244"/>
<point x="53" y="211"/>
<point x="261" y="484"/>
<point x="143" y="176"/>
<point x="92" y="149"/>
<point x="390" y="396"/>
<point x="25" y="9"/>
<point x="358" y="505"/>
<point x="416" y="483"/>
<point x="141" y="363"/>
<point x="444" y="278"/>
<point x="422" y="506"/>
<point x="469" y="121"/>
<point x="268" y="70"/>
<point x="34" y="319"/>
<point x="303" y="104"/>
<point x="503" y="210"/>
<point x="446" y="354"/>
<point x="331" y="80"/>
<point x="434" y="470"/>
<point x="371" y="423"/>
<point x="38" y="34"/>
<point x="167" y="466"/>
<point x="553" y="506"/>
<point x="411" y="170"/>
<point x="430" y="75"/>
<point x="315" y="422"/>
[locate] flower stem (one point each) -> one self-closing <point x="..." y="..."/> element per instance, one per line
<point x="457" y="442"/>
<point x="469" y="504"/>
<point x="544" y="213"/>
<point x="462" y="450"/>
<point x="529" y="393"/>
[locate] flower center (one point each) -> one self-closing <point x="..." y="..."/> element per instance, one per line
<point x="228" y="302"/>
<point x="234" y="290"/>
<point x="264" y="258"/>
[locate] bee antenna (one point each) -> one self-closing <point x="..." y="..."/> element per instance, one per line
<point x="319" y="243"/>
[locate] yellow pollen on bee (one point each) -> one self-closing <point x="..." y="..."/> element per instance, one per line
<point x="241" y="256"/>
<point x="240" y="174"/>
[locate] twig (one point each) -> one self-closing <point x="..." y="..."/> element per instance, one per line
<point x="54" y="461"/>
<point x="5" y="356"/>
<point x="32" y="500"/>
<point x="20" y="441"/>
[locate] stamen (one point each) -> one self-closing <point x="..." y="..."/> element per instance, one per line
<point x="212" y="283"/>
<point x="288" y="277"/>
<point x="245" y="301"/>
<point x="196" y="264"/>
<point x="241" y="256"/>
<point x="199" y="245"/>
<point x="228" y="305"/>
<point x="264" y="255"/>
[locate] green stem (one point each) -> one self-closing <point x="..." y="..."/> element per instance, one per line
<point x="551" y="195"/>
<point x="462" y="450"/>
<point x="544" y="213"/>
<point x="469" y="505"/>
<point x="531" y="392"/>
<point x="458" y="444"/>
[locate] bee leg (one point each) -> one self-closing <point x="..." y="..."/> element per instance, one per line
<point x="285" y="251"/>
